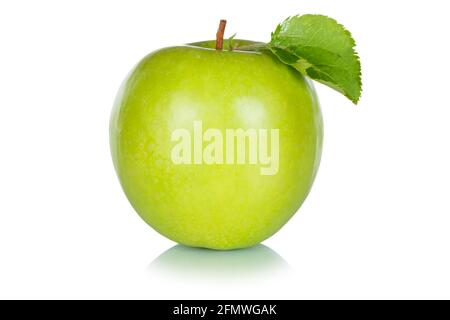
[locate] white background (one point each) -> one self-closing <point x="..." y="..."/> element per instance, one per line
<point x="376" y="224"/>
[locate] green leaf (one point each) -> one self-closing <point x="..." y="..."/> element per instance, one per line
<point x="231" y="45"/>
<point x="322" y="49"/>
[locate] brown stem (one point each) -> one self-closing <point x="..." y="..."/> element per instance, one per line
<point x="219" y="34"/>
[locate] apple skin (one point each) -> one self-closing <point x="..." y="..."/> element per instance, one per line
<point x="214" y="206"/>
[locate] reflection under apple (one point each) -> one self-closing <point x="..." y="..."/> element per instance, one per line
<point x="187" y="261"/>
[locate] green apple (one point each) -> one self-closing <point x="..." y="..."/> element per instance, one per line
<point x="206" y="93"/>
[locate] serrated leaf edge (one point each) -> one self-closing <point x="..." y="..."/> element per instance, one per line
<point x="353" y="46"/>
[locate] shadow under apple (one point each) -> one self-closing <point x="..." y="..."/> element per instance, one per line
<point x="185" y="261"/>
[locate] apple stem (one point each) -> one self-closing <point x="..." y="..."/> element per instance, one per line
<point x="219" y="34"/>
